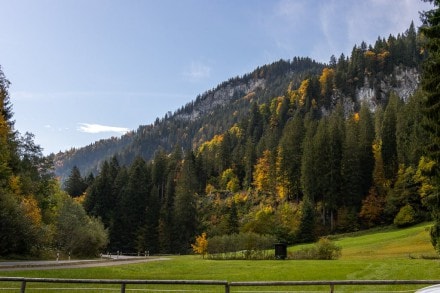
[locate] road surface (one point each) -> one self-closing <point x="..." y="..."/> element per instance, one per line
<point x="85" y="263"/>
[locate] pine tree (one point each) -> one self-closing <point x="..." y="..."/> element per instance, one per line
<point x="99" y="199"/>
<point x="75" y="184"/>
<point x="431" y="105"/>
<point x="411" y="138"/>
<point x="389" y="141"/>
<point x="6" y="133"/>
<point x="185" y="211"/>
<point x="306" y="230"/>
<point x="366" y="157"/>
<point x="289" y="158"/>
<point x="117" y="224"/>
<point x="308" y="163"/>
<point x="165" y="226"/>
<point x="351" y="167"/>
<point x="336" y="134"/>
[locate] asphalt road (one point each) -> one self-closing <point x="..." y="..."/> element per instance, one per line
<point x="84" y="263"/>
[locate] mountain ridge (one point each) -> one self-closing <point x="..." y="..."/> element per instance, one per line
<point x="249" y="88"/>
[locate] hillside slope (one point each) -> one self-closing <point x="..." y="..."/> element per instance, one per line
<point x="211" y="113"/>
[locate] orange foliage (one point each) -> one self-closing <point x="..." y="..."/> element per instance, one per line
<point x="356" y="117"/>
<point x="262" y="178"/>
<point x="326" y="80"/>
<point x="201" y="245"/>
<point x="32" y="210"/>
<point x="372" y="208"/>
<point x="302" y="91"/>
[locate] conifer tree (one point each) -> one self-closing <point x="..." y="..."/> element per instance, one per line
<point x="308" y="166"/>
<point x="133" y="205"/>
<point x="185" y="211"/>
<point x="306" y="230"/>
<point x="366" y="157"/>
<point x="289" y="158"/>
<point x="100" y="198"/>
<point x="389" y="141"/>
<point x="431" y="106"/>
<point x="75" y="184"/>
<point x="165" y="226"/>
<point x="336" y="134"/>
<point x="351" y="166"/>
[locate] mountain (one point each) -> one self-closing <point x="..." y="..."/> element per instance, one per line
<point x="295" y="150"/>
<point x="209" y="114"/>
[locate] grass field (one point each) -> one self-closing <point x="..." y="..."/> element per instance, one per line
<point x="379" y="255"/>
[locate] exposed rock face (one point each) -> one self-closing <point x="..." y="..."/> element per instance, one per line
<point x="404" y="82"/>
<point x="222" y="96"/>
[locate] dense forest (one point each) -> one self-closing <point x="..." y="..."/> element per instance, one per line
<point x="310" y="161"/>
<point x="294" y="150"/>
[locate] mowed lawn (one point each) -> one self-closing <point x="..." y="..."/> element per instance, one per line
<point x="380" y="255"/>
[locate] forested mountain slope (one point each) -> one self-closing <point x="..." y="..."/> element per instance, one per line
<point x="369" y="74"/>
<point x="295" y="150"/>
<point x="210" y="113"/>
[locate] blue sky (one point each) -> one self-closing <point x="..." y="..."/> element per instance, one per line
<point x="83" y="70"/>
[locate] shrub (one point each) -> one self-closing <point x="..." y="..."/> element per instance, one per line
<point x="327" y="249"/>
<point x="405" y="217"/>
<point x="323" y="249"/>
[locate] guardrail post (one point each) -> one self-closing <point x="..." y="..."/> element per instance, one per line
<point x="332" y="288"/>
<point x="122" y="287"/>
<point x="227" y="288"/>
<point x="23" y="287"/>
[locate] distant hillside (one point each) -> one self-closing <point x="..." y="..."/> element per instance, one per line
<point x="209" y="114"/>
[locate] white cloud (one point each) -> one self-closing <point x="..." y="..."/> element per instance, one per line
<point x="197" y="71"/>
<point x="98" y="128"/>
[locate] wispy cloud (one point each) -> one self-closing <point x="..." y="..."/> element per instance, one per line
<point x="98" y="128"/>
<point x="197" y="71"/>
<point x="321" y="28"/>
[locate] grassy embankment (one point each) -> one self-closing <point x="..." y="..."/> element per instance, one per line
<point x="374" y="255"/>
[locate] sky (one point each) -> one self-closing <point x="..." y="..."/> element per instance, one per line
<point x="85" y="70"/>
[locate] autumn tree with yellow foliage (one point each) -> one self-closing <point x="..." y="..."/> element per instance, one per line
<point x="201" y="245"/>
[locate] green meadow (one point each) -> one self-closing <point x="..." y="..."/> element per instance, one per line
<point x="391" y="254"/>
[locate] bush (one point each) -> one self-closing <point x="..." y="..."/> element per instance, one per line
<point x="324" y="249"/>
<point x="78" y="233"/>
<point x="405" y="217"/>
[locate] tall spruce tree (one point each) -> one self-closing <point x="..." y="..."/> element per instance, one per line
<point x="100" y="199"/>
<point x="366" y="138"/>
<point x="336" y="133"/>
<point x="289" y="157"/>
<point x="431" y="106"/>
<point x="185" y="210"/>
<point x="389" y="141"/>
<point x="308" y="176"/>
<point x="351" y="166"/>
<point x="75" y="185"/>
<point x="133" y="205"/>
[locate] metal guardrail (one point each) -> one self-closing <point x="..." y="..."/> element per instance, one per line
<point x="227" y="285"/>
<point x="332" y="284"/>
